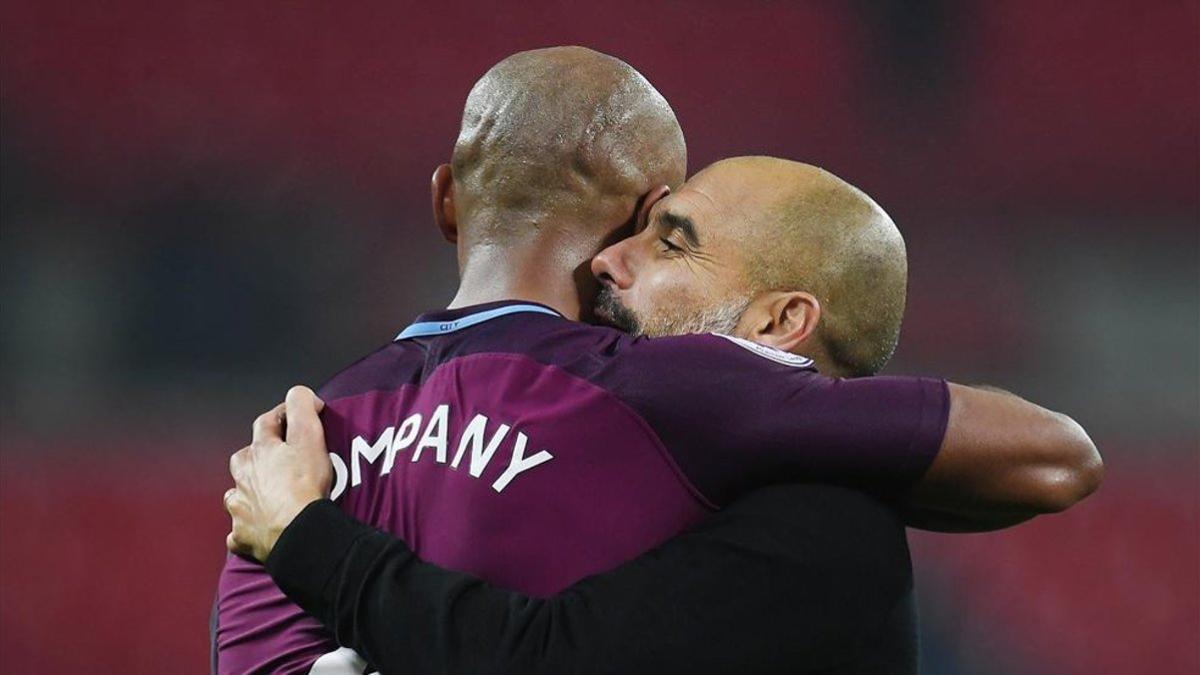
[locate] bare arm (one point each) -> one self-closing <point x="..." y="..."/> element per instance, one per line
<point x="1003" y="460"/>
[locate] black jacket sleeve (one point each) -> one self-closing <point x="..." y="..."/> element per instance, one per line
<point x="798" y="578"/>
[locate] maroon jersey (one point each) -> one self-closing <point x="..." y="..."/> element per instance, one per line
<point x="505" y="441"/>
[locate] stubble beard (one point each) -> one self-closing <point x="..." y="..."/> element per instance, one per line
<point x="722" y="318"/>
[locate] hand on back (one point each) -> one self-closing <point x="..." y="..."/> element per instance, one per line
<point x="285" y="468"/>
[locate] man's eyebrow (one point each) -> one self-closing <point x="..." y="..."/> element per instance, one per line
<point x="674" y="221"/>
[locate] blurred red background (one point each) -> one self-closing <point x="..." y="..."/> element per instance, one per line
<point x="206" y="202"/>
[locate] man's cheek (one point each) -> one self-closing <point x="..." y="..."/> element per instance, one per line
<point x="649" y="302"/>
<point x="658" y="287"/>
<point x="674" y="293"/>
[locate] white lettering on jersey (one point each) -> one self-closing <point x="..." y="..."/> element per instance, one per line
<point x="339" y="476"/>
<point x="475" y="444"/>
<point x="480" y="455"/>
<point x="360" y="449"/>
<point x="776" y="355"/>
<point x="518" y="464"/>
<point x="405" y="435"/>
<point x="435" y="434"/>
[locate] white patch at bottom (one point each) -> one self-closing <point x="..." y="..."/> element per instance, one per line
<point x="343" y="661"/>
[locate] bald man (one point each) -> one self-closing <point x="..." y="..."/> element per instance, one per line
<point x="472" y="435"/>
<point x="753" y="244"/>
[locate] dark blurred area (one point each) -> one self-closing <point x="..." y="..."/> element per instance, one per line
<point x="204" y="203"/>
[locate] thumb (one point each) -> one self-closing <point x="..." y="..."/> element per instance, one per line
<point x="303" y="425"/>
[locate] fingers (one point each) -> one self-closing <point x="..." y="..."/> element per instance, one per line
<point x="269" y="425"/>
<point x="302" y="394"/>
<point x="318" y="404"/>
<point x="235" y="544"/>
<point x="232" y="506"/>
<point x="241" y="465"/>
<point x="239" y="540"/>
<point x="299" y="410"/>
<point x="303" y="425"/>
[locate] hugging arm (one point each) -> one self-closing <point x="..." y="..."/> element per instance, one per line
<point x="952" y="457"/>
<point x="1002" y="460"/>
<point x="787" y="579"/>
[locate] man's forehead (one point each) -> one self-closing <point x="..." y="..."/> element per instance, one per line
<point x="710" y="204"/>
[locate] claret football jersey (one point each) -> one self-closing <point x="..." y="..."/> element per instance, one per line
<point x="506" y="441"/>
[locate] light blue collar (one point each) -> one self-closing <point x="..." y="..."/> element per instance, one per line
<point x="427" y="328"/>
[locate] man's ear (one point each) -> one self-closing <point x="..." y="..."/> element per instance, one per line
<point x="442" y="191"/>
<point x="787" y="320"/>
<point x="647" y="202"/>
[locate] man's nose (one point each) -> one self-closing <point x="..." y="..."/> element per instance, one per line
<point x="610" y="266"/>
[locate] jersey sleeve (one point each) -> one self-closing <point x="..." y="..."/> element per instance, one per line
<point x="257" y="629"/>
<point x="735" y="415"/>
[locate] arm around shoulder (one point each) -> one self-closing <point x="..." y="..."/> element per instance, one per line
<point x="1003" y="460"/>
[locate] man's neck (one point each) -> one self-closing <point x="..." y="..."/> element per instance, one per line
<point x="493" y="275"/>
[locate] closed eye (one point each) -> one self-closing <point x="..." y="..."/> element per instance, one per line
<point x="670" y="246"/>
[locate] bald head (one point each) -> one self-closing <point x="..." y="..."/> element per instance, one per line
<point x="562" y="133"/>
<point x="745" y="246"/>
<point x="812" y="231"/>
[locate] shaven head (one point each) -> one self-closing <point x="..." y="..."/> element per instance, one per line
<point x="818" y="233"/>
<point x="564" y="136"/>
<point x="779" y="252"/>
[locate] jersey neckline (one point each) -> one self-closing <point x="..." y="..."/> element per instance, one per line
<point x="451" y="320"/>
